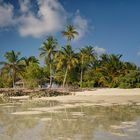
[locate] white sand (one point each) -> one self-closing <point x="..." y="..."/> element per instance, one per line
<point x="111" y="91"/>
<point x="104" y="96"/>
<point x="99" y="96"/>
<point x="20" y="97"/>
<point x="27" y="113"/>
<point x="45" y="119"/>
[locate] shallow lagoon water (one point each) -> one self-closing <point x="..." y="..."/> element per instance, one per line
<point x="47" y="120"/>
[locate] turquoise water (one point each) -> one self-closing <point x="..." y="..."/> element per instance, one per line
<point x="56" y="121"/>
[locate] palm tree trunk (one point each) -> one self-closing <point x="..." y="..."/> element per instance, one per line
<point x="81" y="77"/>
<point x="65" y="77"/>
<point x="50" y="76"/>
<point x="13" y="77"/>
<point x="69" y="42"/>
<point x="13" y="82"/>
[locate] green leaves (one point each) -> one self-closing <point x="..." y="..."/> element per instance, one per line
<point x="28" y="60"/>
<point x="12" y="56"/>
<point x="64" y="65"/>
<point x="48" y="49"/>
<point x="34" y="75"/>
<point x="130" y="80"/>
<point x="12" y="64"/>
<point x="66" y="59"/>
<point x="70" y="33"/>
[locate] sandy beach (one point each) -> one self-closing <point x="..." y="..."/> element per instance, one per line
<point x="104" y="96"/>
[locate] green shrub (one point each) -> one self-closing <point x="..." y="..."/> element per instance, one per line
<point x="125" y="85"/>
<point x="1" y="83"/>
<point x="5" y="82"/>
<point x="130" y="80"/>
<point x="138" y="85"/>
<point x="89" y="84"/>
<point x="34" y="75"/>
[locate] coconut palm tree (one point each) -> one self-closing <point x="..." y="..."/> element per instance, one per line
<point x="47" y="50"/>
<point x="86" y="57"/>
<point x="13" y="64"/>
<point x="128" y="66"/>
<point x="28" y="60"/>
<point x="67" y="59"/>
<point x="111" y="67"/>
<point x="69" y="33"/>
<point x="111" y="64"/>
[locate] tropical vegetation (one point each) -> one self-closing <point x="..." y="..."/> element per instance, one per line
<point x="66" y="66"/>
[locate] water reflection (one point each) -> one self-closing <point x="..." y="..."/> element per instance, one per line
<point x="69" y="123"/>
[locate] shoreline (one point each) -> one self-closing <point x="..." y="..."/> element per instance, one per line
<point x="104" y="96"/>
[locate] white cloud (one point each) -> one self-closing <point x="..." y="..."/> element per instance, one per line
<point x="99" y="50"/>
<point x="138" y="53"/>
<point x="6" y="15"/>
<point x="50" y="18"/>
<point x="24" y="5"/>
<point x="81" y="25"/>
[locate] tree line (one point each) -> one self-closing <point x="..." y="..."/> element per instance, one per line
<point x="66" y="67"/>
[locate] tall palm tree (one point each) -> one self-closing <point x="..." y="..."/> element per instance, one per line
<point x="86" y="57"/>
<point x="47" y="50"/>
<point x="66" y="59"/>
<point x="13" y="64"/>
<point x="69" y="33"/>
<point x="30" y="59"/>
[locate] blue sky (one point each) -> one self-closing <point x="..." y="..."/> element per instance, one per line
<point x="112" y="26"/>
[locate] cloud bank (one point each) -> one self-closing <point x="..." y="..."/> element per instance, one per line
<point x="50" y="18"/>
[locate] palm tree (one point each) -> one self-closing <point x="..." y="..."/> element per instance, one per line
<point x="48" y="50"/>
<point x="30" y="59"/>
<point x="86" y="57"/>
<point x="128" y="66"/>
<point x="12" y="64"/>
<point x="111" y="67"/>
<point x="111" y="64"/>
<point x="69" y="33"/>
<point x="66" y="59"/>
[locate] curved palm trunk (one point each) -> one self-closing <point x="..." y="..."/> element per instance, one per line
<point x="13" y="77"/>
<point x="65" y="77"/>
<point x="81" y="78"/>
<point x="50" y="76"/>
<point x="81" y="75"/>
<point x="13" y="82"/>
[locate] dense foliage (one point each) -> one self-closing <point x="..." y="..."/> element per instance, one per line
<point x="66" y="67"/>
<point x="130" y="80"/>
